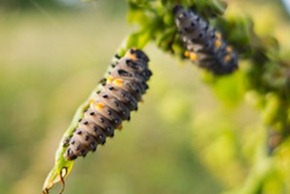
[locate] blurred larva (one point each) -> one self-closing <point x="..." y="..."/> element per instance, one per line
<point x="204" y="45"/>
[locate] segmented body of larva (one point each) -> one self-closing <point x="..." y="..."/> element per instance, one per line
<point x="120" y="92"/>
<point x="204" y="45"/>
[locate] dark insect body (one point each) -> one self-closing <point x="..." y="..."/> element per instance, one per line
<point x="121" y="91"/>
<point x="204" y="45"/>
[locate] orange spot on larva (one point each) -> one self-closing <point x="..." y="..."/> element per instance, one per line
<point x="110" y="79"/>
<point x="100" y="105"/>
<point x="118" y="82"/>
<point x="227" y="58"/>
<point x="130" y="55"/>
<point x="187" y="54"/>
<point x="193" y="56"/>
<point x="229" y="49"/>
<point x="217" y="44"/>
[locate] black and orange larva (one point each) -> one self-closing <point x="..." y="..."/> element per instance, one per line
<point x="121" y="90"/>
<point x="204" y="45"/>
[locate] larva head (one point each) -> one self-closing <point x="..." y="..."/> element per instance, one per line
<point x="137" y="54"/>
<point x="177" y="9"/>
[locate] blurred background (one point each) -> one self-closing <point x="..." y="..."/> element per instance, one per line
<point x="187" y="137"/>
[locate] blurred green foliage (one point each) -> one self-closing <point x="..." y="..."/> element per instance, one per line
<point x="186" y="137"/>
